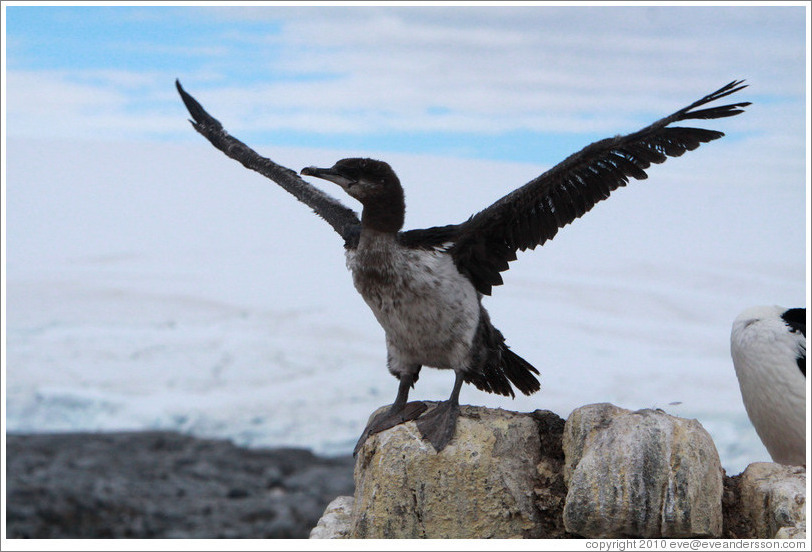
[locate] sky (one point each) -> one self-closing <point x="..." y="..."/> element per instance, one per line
<point x="529" y="83"/>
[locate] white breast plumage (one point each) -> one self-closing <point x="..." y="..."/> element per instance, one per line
<point x="765" y="352"/>
<point x="428" y="310"/>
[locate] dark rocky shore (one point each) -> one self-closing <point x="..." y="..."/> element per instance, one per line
<point x="164" y="485"/>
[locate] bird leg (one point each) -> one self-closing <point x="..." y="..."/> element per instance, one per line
<point x="398" y="413"/>
<point x="439" y="424"/>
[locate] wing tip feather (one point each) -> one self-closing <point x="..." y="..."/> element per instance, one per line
<point x="200" y="117"/>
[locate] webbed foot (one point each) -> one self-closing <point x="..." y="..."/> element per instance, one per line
<point x="439" y="425"/>
<point x="389" y="419"/>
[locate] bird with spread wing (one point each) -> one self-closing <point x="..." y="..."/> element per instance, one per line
<point x="425" y="286"/>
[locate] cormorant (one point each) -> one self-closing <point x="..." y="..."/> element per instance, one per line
<point x="768" y="346"/>
<point x="425" y="286"/>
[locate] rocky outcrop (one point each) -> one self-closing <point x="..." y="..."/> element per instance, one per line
<point x="607" y="472"/>
<point x="773" y="500"/>
<point x="642" y="474"/>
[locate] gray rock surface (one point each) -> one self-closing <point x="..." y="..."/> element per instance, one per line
<point x="164" y="485"/>
<point x="773" y="499"/>
<point x="642" y="474"/>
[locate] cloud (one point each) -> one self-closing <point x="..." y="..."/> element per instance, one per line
<point x="87" y="104"/>
<point x="389" y="71"/>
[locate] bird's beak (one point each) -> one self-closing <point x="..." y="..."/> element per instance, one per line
<point x="328" y="174"/>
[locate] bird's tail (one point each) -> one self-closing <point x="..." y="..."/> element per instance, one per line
<point x="502" y="368"/>
<point x="519" y="371"/>
<point x="495" y="367"/>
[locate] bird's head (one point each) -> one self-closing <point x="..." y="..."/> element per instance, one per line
<point x="367" y="180"/>
<point x="374" y="184"/>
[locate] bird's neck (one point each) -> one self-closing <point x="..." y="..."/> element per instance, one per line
<point x="384" y="214"/>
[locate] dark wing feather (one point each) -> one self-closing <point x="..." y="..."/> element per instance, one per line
<point x="429" y="238"/>
<point x="344" y="220"/>
<point x="796" y="320"/>
<point x="532" y="214"/>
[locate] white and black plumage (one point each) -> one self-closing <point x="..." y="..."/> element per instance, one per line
<point x="768" y="346"/>
<point x="425" y="286"/>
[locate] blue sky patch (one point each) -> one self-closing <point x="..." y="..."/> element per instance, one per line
<point x="524" y="84"/>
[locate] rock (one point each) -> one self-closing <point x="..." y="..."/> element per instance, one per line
<point x="336" y="521"/>
<point x="797" y="532"/>
<point x="505" y="474"/>
<point x="643" y="474"/>
<point x="480" y="486"/>
<point x="164" y="485"/>
<point x="551" y="491"/>
<point x="735" y="525"/>
<point x="773" y="498"/>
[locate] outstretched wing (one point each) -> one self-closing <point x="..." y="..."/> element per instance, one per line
<point x="344" y="220"/>
<point x="532" y="214"/>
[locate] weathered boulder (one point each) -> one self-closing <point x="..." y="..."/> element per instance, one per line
<point x="773" y="499"/>
<point x="480" y="486"/>
<point x="335" y="523"/>
<point x="642" y="474"/>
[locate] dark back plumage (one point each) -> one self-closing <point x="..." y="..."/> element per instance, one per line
<point x="796" y="320"/>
